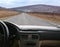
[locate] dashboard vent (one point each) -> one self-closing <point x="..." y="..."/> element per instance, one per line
<point x="35" y="37"/>
<point x="23" y="36"/>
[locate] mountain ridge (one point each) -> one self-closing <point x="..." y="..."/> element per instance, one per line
<point x="39" y="8"/>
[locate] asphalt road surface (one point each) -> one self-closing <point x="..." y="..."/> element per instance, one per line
<point x="25" y="19"/>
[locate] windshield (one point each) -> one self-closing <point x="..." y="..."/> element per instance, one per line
<point x="31" y="12"/>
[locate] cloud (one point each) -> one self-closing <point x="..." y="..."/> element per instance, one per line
<point x="16" y="3"/>
<point x="5" y="1"/>
<point x="48" y="2"/>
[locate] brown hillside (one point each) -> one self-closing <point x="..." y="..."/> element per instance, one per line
<point x="7" y="13"/>
<point x="49" y="17"/>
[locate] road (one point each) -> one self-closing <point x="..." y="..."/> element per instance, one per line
<point x="25" y="19"/>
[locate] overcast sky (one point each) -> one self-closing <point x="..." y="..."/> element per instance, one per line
<point x="18" y="3"/>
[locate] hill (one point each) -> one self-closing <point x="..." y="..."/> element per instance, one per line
<point x="4" y="12"/>
<point x="39" y="8"/>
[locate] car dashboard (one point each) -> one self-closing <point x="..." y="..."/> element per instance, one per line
<point x="28" y="36"/>
<point x="32" y="36"/>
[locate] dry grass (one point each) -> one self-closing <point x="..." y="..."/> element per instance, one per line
<point x="49" y="17"/>
<point x="6" y="13"/>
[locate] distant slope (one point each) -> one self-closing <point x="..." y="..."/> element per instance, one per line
<point x="4" y="12"/>
<point x="39" y="8"/>
<point x="2" y="8"/>
<point x="48" y="17"/>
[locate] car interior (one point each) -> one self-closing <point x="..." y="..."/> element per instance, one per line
<point x="13" y="36"/>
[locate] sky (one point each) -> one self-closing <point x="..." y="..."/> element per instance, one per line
<point x="19" y="3"/>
